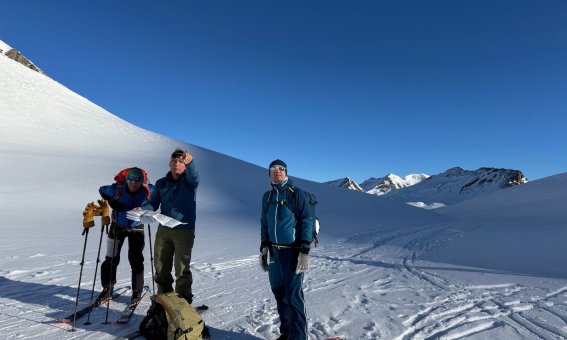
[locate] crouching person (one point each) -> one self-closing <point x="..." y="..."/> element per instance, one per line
<point x="130" y="190"/>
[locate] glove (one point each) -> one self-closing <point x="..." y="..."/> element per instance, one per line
<point x="88" y="215"/>
<point x="264" y="258"/>
<point x="302" y="263"/>
<point x="103" y="210"/>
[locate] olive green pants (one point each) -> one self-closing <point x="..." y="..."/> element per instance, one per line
<point x="174" y="246"/>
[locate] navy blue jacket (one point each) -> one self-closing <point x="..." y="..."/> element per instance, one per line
<point x="125" y="202"/>
<point x="279" y="224"/>
<point x="177" y="198"/>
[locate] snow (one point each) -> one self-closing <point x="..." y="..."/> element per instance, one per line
<point x="487" y="268"/>
<point x="413" y="179"/>
<point x="390" y="183"/>
<point x="4" y="47"/>
<point x="423" y="205"/>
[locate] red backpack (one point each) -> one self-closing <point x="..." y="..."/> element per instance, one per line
<point x="120" y="179"/>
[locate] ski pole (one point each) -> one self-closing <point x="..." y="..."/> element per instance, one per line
<point x="96" y="271"/>
<point x="86" y="233"/>
<point x="102" y="210"/>
<point x="112" y="231"/>
<point x="88" y="222"/>
<point x="151" y="259"/>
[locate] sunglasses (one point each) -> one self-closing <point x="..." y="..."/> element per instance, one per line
<point x="134" y="179"/>
<point x="277" y="168"/>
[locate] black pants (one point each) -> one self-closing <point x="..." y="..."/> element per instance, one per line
<point x="115" y="240"/>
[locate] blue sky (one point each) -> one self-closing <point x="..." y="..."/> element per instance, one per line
<point x="334" y="88"/>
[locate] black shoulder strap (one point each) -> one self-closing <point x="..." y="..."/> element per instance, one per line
<point x="291" y="198"/>
<point x="118" y="192"/>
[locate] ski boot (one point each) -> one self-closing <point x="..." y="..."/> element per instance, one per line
<point x="136" y="297"/>
<point x="104" y="296"/>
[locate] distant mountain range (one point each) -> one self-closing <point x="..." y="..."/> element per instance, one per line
<point x="379" y="186"/>
<point x="452" y="186"/>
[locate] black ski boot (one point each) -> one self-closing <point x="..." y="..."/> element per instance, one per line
<point x="136" y="297"/>
<point x="104" y="296"/>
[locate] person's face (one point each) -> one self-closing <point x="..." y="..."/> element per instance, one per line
<point x="134" y="184"/>
<point x="277" y="174"/>
<point x="176" y="166"/>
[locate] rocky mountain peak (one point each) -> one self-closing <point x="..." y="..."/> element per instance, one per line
<point x="457" y="184"/>
<point x="390" y="182"/>
<point x="16" y="55"/>
<point x="346" y="183"/>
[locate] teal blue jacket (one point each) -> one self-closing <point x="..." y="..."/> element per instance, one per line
<point x="177" y="198"/>
<point x="286" y="218"/>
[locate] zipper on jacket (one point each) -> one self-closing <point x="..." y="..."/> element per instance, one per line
<point x="276" y="215"/>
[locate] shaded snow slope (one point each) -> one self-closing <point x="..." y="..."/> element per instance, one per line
<point x="521" y="229"/>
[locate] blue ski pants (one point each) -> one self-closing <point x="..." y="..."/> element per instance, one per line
<point x="287" y="287"/>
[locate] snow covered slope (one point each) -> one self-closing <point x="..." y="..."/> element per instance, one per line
<point x="4" y="47"/>
<point x="489" y="268"/>
<point x="524" y="225"/>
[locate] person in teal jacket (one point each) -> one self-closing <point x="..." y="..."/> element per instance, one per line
<point x="175" y="194"/>
<point x="286" y="235"/>
<point x="123" y="197"/>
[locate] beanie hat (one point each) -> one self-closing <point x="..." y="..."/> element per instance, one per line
<point x="135" y="173"/>
<point x="177" y="153"/>
<point x="278" y="162"/>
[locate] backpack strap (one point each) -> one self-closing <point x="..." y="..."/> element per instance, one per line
<point x="118" y="192"/>
<point x="291" y="203"/>
<point x="291" y="199"/>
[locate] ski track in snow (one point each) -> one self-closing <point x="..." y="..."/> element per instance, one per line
<point x="377" y="273"/>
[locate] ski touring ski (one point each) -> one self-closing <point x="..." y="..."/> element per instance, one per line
<point x="129" y="310"/>
<point x="84" y="311"/>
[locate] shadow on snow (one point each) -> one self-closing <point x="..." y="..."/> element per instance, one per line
<point x="60" y="302"/>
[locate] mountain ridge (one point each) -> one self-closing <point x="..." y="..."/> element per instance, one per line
<point x="453" y="185"/>
<point x="18" y="57"/>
